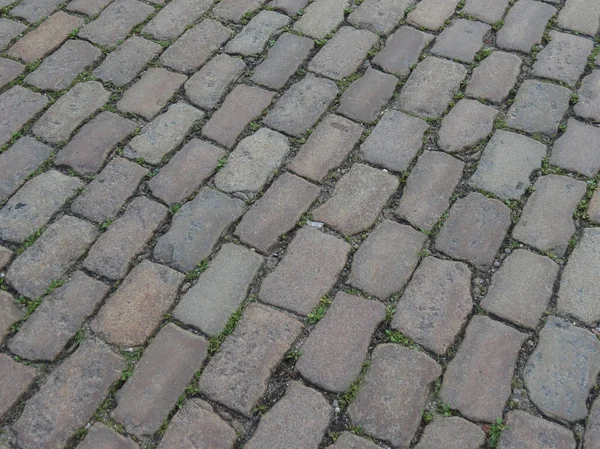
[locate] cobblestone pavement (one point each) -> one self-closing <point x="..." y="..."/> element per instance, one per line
<point x="294" y="224"/>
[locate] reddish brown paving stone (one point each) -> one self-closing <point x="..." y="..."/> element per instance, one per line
<point x="197" y="424"/>
<point x="477" y="381"/>
<point x="326" y="148"/>
<point x="187" y="170"/>
<point x="17" y="106"/>
<point x="52" y="254"/>
<point x="321" y="17"/>
<point x="114" y="251"/>
<point x="101" y="436"/>
<point x="87" y="151"/>
<point x="45" y="38"/>
<point x="159" y="378"/>
<point x="15" y="380"/>
<point x="333" y="353"/>
<point x="474" y="230"/>
<point x="196" y="228"/>
<point x="109" y="191"/>
<point x="68" y="397"/>
<point x="386" y="259"/>
<point x="451" y="433"/>
<point x="172" y="20"/>
<point x="276" y="212"/>
<point x="234" y="10"/>
<point x="27" y="211"/>
<point x="47" y="331"/>
<point x="392" y="397"/>
<point x="151" y="92"/>
<point x="18" y="162"/>
<point x="309" y="269"/>
<point x="132" y="313"/>
<point x="6" y="256"/>
<point x="402" y="50"/>
<point x="436" y="304"/>
<point x="525" y="430"/>
<point x="10" y="313"/>
<point x="237" y="376"/>
<point x="363" y="188"/>
<point x="241" y="106"/>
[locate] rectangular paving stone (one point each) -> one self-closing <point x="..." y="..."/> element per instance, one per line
<point x="63" y="117"/>
<point x="196" y="228"/>
<point x="290" y="7"/>
<point x="573" y="150"/>
<point x="547" y="219"/>
<point x="495" y="77"/>
<point x="587" y="105"/>
<point x="101" y="436"/>
<point x="15" y="380"/>
<point x="276" y="212"/>
<point x="431" y="87"/>
<point x="363" y="188"/>
<point x="402" y="51"/>
<point x="564" y="58"/>
<point x="151" y="92"/>
<point x="172" y="20"/>
<point x="432" y="14"/>
<point x="428" y="189"/>
<point x="477" y="381"/>
<point x="254" y="36"/>
<point x="467" y="124"/>
<point x="9" y="70"/>
<point x="343" y="53"/>
<point x="524" y="25"/>
<point x="123" y="64"/>
<point x="5" y="257"/>
<point x="253" y="162"/>
<point x="300" y="408"/>
<point x="196" y="46"/>
<point x="244" y="104"/>
<point x="34" y="205"/>
<point x="363" y="99"/>
<point x="11" y="313"/>
<point x="379" y="16"/>
<point x="115" y="22"/>
<point x="309" y="269"/>
<point x="18" y="162"/>
<point x="507" y="163"/>
<point x="163" y="134"/>
<point x="436" y="304"/>
<point x="301" y="106"/>
<point x="452" y="433"/>
<point x="283" y="60"/>
<point x="17" y="106"/>
<point x="326" y="147"/>
<point x="395" y="141"/>
<point x="58" y="318"/>
<point x="105" y="195"/>
<point x="220" y="289"/>
<point x="52" y="254"/>
<point x="525" y="430"/>
<point x="60" y="69"/>
<point x="489" y="11"/>
<point x="113" y="253"/>
<point x="134" y="311"/>
<point x="578" y="294"/>
<point x="187" y="170"/>
<point x="88" y="7"/>
<point x="87" y="151"/>
<point x="402" y="376"/>
<point x="45" y="38"/>
<point x="321" y="17"/>
<point x="581" y="16"/>
<point x="334" y="352"/>
<point x="237" y="376"/>
<point x="520" y="290"/>
<point x="207" y="87"/>
<point x="474" y="230"/>
<point x="196" y="423"/>
<point x="386" y="259"/>
<point x="160" y="377"/>
<point x="234" y="10"/>
<point x="69" y="397"/>
<point x="538" y="107"/>
<point x="461" y="40"/>
<point x="34" y="10"/>
<point x="9" y="29"/>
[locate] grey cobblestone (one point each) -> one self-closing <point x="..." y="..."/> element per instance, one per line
<point x="321" y="17"/>
<point x="172" y="20"/>
<point x="524" y="25"/>
<point x="253" y="38"/>
<point x="581" y="16"/>
<point x="9" y="29"/>
<point x="101" y="436"/>
<point x="17" y="106"/>
<point x="11" y="313"/>
<point x="15" y="379"/>
<point x="34" y="10"/>
<point x="490" y="11"/>
<point x="467" y="124"/>
<point x="535" y="433"/>
<point x="588" y="96"/>
<point x="494" y="78"/>
<point x="461" y="40"/>
<point x="9" y="70"/>
<point x="573" y="150"/>
<point x="402" y="50"/>
<point x="379" y="16"/>
<point x="364" y="98"/>
<point x="431" y="14"/>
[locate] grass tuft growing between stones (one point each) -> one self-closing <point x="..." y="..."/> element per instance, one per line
<point x="215" y="343"/>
